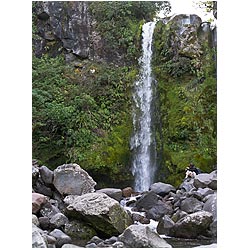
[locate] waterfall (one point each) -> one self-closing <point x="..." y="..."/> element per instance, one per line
<point x="142" y="142"/>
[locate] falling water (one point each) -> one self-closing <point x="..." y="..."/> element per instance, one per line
<point x="142" y="141"/>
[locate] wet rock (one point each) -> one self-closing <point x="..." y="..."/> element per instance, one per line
<point x="193" y="225"/>
<point x="139" y="236"/>
<point x="191" y="205"/>
<point x="114" y="193"/>
<point x="40" y="187"/>
<point x="37" y="201"/>
<point x="102" y="212"/>
<point x="162" y="189"/>
<point x="72" y="179"/>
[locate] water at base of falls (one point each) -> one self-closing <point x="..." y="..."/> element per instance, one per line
<point x="142" y="141"/>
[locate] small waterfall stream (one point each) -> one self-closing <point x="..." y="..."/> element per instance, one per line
<point x="142" y="141"/>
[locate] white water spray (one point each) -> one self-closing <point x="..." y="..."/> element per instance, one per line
<point x="142" y="142"/>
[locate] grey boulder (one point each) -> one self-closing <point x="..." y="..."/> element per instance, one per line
<point x="139" y="236"/>
<point x="102" y="212"/>
<point x="72" y="179"/>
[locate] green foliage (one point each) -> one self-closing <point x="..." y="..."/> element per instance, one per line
<point x="76" y="112"/>
<point x="187" y="107"/>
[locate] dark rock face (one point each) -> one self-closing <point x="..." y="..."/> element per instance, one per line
<point x="72" y="179"/>
<point x="69" y="28"/>
<point x="67" y="23"/>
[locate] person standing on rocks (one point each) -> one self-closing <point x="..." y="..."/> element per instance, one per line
<point x="192" y="171"/>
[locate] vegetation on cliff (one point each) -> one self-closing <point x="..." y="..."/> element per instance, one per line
<point x="82" y="111"/>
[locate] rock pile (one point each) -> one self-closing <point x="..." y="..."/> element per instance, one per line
<point x="68" y="212"/>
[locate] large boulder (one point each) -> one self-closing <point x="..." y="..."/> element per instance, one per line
<point x="139" y="236"/>
<point x="193" y="225"/>
<point x="206" y="180"/>
<point x="102" y="212"/>
<point x="114" y="193"/>
<point x="72" y="179"/>
<point x="161" y="188"/>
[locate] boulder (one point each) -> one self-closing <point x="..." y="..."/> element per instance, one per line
<point x="114" y="193"/>
<point x="165" y="225"/>
<point x="72" y="179"/>
<point x="46" y="175"/>
<point x="147" y="200"/>
<point x="38" y="239"/>
<point x="162" y="189"/>
<point x="126" y="192"/>
<point x="204" y="191"/>
<point x="140" y="236"/>
<point x="61" y="237"/>
<point x="37" y="201"/>
<point x="58" y="220"/>
<point x="192" y="225"/>
<point x="191" y="205"/>
<point x="102" y="212"/>
<point x="159" y="210"/>
<point x="206" y="180"/>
